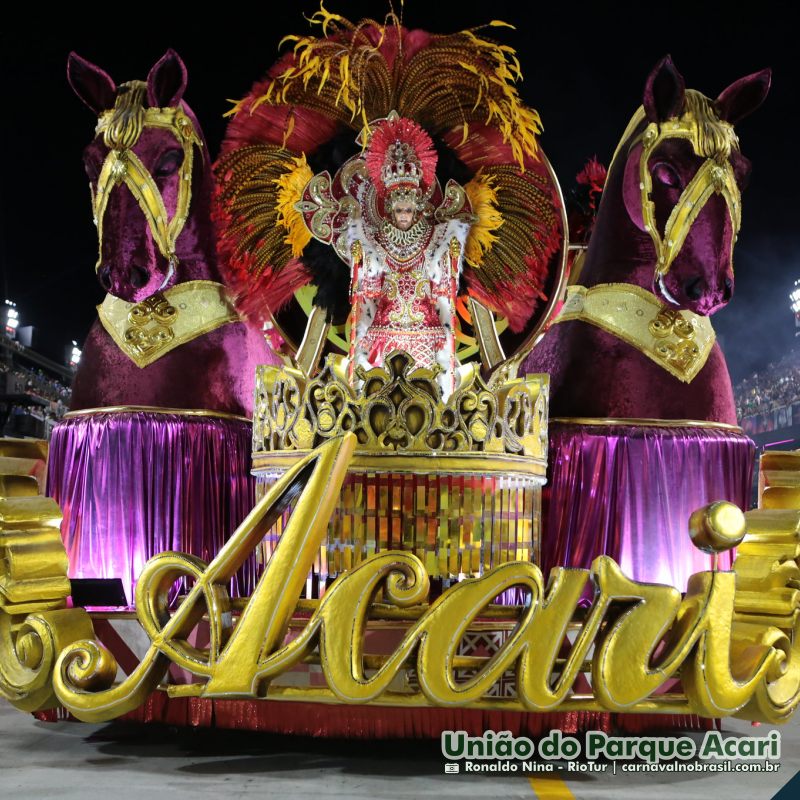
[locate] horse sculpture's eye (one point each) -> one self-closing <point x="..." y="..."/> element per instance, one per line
<point x="667" y="176"/>
<point x="168" y="163"/>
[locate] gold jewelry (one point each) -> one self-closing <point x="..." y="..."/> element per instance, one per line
<point x="147" y="330"/>
<point x="401" y="244"/>
<point x="678" y="341"/>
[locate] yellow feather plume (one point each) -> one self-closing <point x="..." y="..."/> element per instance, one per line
<point x="290" y="191"/>
<point x="483" y="199"/>
<point x="455" y="80"/>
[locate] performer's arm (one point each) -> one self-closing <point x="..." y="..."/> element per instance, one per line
<point x="364" y="290"/>
<point x="444" y="288"/>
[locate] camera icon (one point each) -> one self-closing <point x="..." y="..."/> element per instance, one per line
<point x="452" y="768"/>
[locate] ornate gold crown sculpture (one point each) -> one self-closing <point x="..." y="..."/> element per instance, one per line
<point x="456" y="483"/>
<point x="399" y="411"/>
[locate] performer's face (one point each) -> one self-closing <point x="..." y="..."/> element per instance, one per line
<point x="403" y="214"/>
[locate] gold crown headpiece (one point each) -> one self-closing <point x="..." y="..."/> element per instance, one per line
<point x="401" y="167"/>
<point x="401" y="159"/>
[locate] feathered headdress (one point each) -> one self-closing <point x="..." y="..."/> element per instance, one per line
<point x="459" y="90"/>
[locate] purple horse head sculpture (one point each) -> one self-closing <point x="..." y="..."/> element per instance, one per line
<point x="167" y="333"/>
<point x="633" y="339"/>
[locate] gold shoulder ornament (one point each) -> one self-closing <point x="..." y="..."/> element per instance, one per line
<point x="678" y="341"/>
<point x="148" y="330"/>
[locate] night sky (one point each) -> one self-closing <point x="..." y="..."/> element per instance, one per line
<point x="584" y="72"/>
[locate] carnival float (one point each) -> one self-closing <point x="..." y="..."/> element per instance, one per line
<point x="372" y="448"/>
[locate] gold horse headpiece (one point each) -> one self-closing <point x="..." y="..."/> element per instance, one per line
<point x="711" y="138"/>
<point x="121" y="127"/>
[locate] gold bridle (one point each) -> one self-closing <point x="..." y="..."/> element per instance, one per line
<point x="121" y="128"/>
<point x="709" y="137"/>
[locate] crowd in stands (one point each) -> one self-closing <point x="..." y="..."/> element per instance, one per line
<point x="774" y="387"/>
<point x="31" y="418"/>
<point x="35" y="382"/>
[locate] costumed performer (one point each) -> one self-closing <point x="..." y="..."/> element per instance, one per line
<point x="404" y="265"/>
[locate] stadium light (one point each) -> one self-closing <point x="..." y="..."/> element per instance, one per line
<point x="75" y="356"/>
<point x="12" y="318"/>
<point x="794" y="298"/>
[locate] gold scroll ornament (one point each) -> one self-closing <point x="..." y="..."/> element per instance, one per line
<point x="399" y="411"/>
<point x="678" y="341"/>
<point x="35" y="624"/>
<point x="148" y="330"/>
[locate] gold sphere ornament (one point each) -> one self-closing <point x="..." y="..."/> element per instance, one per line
<point x="717" y="527"/>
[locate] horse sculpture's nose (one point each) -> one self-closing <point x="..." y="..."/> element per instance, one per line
<point x="139" y="276"/>
<point x="727" y="289"/>
<point x="694" y="288"/>
<point x="104" y="276"/>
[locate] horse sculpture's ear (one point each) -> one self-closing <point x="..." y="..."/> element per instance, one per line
<point x="744" y="96"/>
<point x="90" y="83"/>
<point x="166" y="82"/>
<point x="664" y="92"/>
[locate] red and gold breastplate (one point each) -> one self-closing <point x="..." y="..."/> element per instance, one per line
<point x="405" y="300"/>
<point x="406" y="316"/>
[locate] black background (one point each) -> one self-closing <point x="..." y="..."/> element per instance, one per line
<point x="584" y="69"/>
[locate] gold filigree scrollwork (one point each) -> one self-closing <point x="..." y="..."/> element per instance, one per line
<point x="473" y="424"/>
<point x="327" y="207"/>
<point x="151" y="324"/>
<point x="402" y="425"/>
<point x="278" y="406"/>
<point x="406" y="316"/>
<point x="681" y="354"/>
<point x="155" y="308"/>
<point x="455" y="204"/>
<point x="329" y="412"/>
<point x="669" y="321"/>
<point x="522" y="422"/>
<point x="399" y="409"/>
<point x="320" y="208"/>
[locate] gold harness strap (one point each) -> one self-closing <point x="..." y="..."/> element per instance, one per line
<point x="713" y="177"/>
<point x="121" y="128"/>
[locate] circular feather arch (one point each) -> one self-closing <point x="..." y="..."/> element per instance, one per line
<point x="306" y="116"/>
